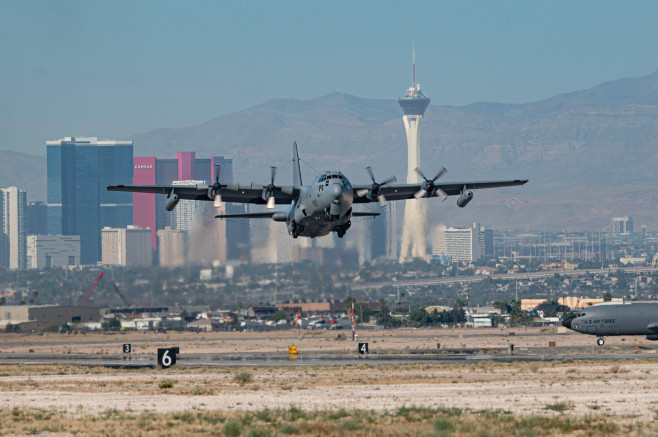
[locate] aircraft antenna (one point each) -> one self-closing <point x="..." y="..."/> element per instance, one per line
<point x="413" y="65"/>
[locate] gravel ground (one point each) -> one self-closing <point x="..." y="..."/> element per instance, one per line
<point x="622" y="389"/>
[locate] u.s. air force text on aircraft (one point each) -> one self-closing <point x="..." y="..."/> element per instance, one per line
<point x="614" y="319"/>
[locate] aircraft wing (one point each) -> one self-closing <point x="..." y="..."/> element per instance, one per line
<point x="407" y="191"/>
<point x="260" y="215"/>
<point x="364" y="214"/>
<point x="230" y="193"/>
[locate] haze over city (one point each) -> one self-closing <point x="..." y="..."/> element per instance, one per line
<point x="570" y="96"/>
<point x="114" y="69"/>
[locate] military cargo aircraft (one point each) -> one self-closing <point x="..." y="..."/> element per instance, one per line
<point x="614" y="318"/>
<point x="322" y="207"/>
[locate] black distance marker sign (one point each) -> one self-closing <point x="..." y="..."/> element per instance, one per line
<point x="363" y="348"/>
<point x="167" y="357"/>
<point x="127" y="348"/>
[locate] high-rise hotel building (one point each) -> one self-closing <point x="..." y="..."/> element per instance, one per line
<point x="79" y="170"/>
<point x="461" y="244"/>
<point x="13" y="245"/>
<point x="149" y="209"/>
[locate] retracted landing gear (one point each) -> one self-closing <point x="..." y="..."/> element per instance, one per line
<point x="296" y="230"/>
<point x="600" y="341"/>
<point x="343" y="229"/>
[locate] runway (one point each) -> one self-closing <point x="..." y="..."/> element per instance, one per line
<point x="189" y="360"/>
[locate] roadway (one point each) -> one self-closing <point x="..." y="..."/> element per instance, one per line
<point x="593" y="353"/>
<point x="506" y="277"/>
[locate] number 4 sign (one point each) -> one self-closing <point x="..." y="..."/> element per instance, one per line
<point x="363" y="348"/>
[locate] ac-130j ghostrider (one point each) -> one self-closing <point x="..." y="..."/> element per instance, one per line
<point x="320" y="208"/>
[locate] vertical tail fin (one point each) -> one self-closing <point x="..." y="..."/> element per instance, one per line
<point x="296" y="172"/>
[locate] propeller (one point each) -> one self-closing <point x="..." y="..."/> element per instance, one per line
<point x="216" y="188"/>
<point x="427" y="186"/>
<point x="372" y="193"/>
<point x="268" y="192"/>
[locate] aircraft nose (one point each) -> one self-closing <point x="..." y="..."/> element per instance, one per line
<point x="567" y="322"/>
<point x="336" y="190"/>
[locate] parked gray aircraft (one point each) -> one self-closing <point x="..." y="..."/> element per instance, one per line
<point x="612" y="318"/>
<point x="320" y="208"/>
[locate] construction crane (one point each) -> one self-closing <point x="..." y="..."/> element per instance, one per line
<point x="91" y="289"/>
<point x="123" y="298"/>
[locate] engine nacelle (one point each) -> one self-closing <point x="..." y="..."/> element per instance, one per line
<point x="652" y="337"/>
<point x="466" y="197"/>
<point x="172" y="201"/>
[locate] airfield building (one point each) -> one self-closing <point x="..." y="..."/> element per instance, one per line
<point x="48" y="314"/>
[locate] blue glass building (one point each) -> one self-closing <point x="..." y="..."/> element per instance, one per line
<point x="79" y="170"/>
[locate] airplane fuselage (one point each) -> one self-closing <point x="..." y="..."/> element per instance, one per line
<point x="632" y="318"/>
<point x="323" y="207"/>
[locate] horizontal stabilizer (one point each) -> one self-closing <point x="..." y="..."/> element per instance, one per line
<point x="277" y="216"/>
<point x="365" y="214"/>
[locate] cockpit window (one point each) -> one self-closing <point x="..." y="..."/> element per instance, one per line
<point x="327" y="177"/>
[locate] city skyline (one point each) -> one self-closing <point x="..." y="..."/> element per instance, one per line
<point x="75" y="81"/>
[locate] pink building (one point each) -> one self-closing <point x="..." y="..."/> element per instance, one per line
<point x="148" y="209"/>
<point x="186" y="164"/>
<point x="144" y="203"/>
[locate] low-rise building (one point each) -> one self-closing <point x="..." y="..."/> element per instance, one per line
<point x="48" y="251"/>
<point x="50" y="314"/>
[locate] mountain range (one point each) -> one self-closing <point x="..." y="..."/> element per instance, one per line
<point x="590" y="155"/>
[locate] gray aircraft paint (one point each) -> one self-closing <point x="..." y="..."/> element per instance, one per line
<point x="322" y="207"/>
<point x="609" y="319"/>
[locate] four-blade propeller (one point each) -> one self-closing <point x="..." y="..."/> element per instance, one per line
<point x="214" y="192"/>
<point x="427" y="186"/>
<point x="372" y="193"/>
<point x="268" y="192"/>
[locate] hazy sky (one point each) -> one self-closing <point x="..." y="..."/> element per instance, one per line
<point x="116" y="68"/>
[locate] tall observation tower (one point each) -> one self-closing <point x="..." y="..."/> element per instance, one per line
<point x="413" y="105"/>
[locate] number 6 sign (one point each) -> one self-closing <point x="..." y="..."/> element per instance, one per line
<point x="167" y="357"/>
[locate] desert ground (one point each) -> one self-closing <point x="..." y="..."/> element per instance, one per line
<point x="623" y="391"/>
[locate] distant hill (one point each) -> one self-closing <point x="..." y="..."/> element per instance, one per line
<point x="27" y="172"/>
<point x="589" y="154"/>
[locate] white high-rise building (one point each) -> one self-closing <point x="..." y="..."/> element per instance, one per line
<point x="13" y="245"/>
<point x="462" y="244"/>
<point x="188" y="212"/>
<point x="622" y="225"/>
<point x="48" y="251"/>
<point x="416" y="211"/>
<point x="129" y="246"/>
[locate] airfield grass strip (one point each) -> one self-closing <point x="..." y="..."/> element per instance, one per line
<point x="218" y="380"/>
<point x="406" y="421"/>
